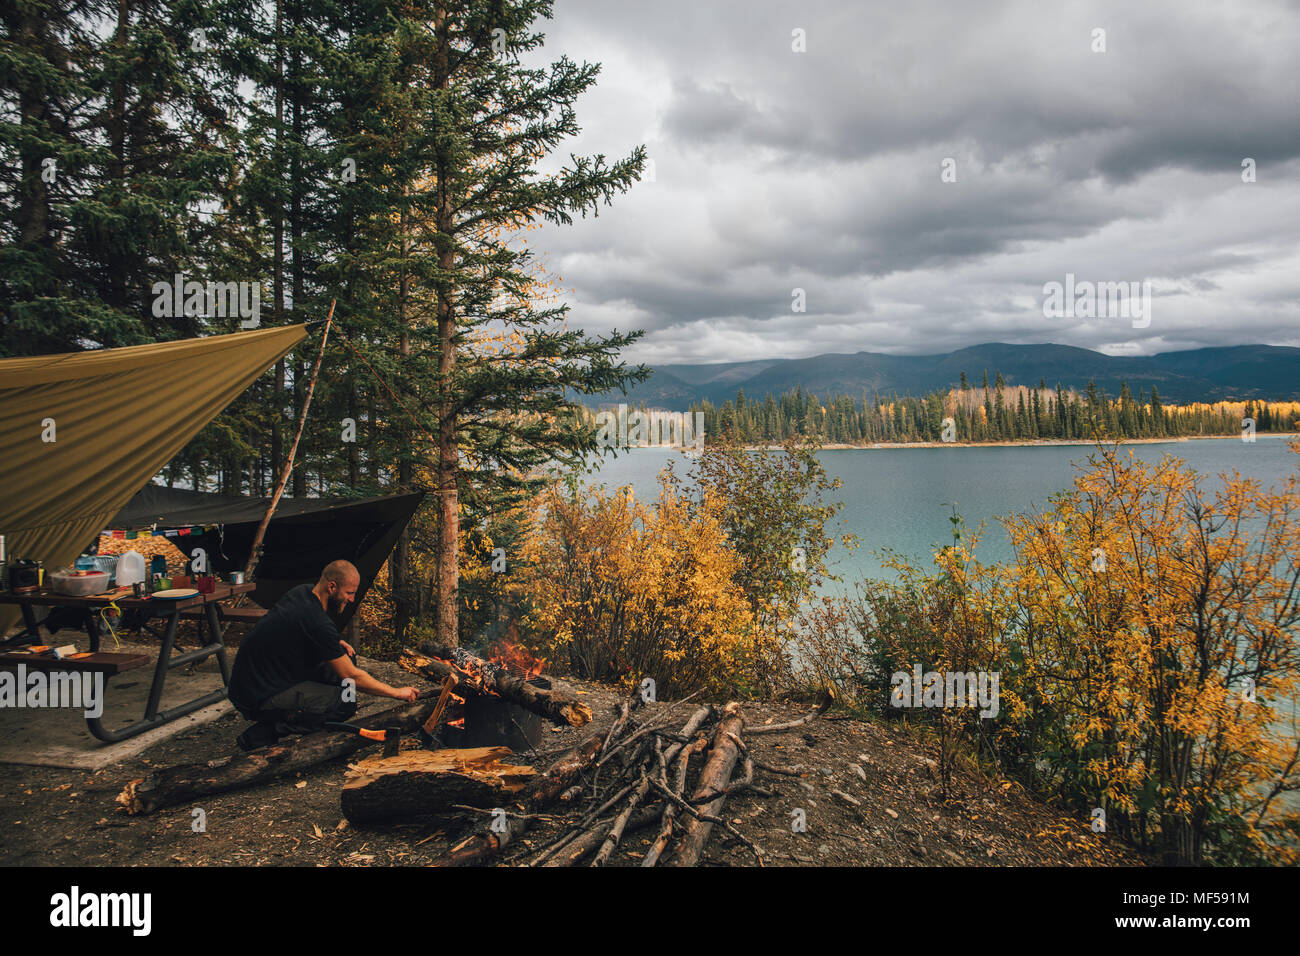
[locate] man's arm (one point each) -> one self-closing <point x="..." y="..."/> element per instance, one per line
<point x="343" y="666"/>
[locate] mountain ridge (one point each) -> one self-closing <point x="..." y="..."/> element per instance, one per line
<point x="1212" y="373"/>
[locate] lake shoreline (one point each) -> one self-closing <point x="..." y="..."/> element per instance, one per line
<point x="1028" y="443"/>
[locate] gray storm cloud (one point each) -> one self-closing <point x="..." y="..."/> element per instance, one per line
<point x="821" y="170"/>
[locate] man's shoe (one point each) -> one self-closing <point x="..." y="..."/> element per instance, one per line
<point x="257" y="736"/>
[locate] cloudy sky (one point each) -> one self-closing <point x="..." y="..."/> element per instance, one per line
<point x="821" y="170"/>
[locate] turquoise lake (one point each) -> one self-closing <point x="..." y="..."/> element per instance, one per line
<point x="901" y="497"/>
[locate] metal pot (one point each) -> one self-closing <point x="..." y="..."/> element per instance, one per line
<point x="25" y="575"/>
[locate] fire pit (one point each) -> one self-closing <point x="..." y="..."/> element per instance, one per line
<point x="493" y="721"/>
<point x="501" y="701"/>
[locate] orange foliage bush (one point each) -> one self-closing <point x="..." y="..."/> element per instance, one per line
<point x="622" y="592"/>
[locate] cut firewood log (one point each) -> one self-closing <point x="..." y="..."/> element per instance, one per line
<point x="422" y="783"/>
<point x="182" y="784"/>
<point x="481" y="847"/>
<point x="474" y="675"/>
<point x="714" y="777"/>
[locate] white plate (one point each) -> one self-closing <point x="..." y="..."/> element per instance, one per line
<point x="175" y="594"/>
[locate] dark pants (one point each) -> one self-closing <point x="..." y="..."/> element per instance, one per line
<point x="302" y="708"/>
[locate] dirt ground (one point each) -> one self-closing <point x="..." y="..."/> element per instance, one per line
<point x="868" y="793"/>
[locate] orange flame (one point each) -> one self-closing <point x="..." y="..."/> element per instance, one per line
<point x="516" y="659"/>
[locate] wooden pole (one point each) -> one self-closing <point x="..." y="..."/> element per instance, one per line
<point x="254" y="552"/>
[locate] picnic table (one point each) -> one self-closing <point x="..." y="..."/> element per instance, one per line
<point x="206" y="606"/>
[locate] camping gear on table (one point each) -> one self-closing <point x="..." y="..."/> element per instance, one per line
<point x="25" y="575"/>
<point x="169" y="613"/>
<point x="78" y="583"/>
<point x="130" y="568"/>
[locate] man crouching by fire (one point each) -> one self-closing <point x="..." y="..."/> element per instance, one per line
<point x="290" y="671"/>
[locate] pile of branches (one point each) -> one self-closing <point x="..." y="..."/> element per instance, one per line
<point x="640" y="774"/>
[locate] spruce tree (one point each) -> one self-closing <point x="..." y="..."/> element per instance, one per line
<point x="486" y="358"/>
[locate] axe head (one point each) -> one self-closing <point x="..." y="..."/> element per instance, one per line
<point x="392" y="740"/>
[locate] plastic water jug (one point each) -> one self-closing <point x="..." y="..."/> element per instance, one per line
<point x="130" y="569"/>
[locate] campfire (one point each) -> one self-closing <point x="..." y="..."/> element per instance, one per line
<point x="510" y="673"/>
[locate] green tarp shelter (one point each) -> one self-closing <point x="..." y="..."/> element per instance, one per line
<point x="81" y="433"/>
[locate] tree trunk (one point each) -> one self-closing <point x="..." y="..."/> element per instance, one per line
<point x="297" y="268"/>
<point x="448" y="617"/>
<point x="34" y="109"/>
<point x="277" y="250"/>
<point x="175" y="785"/>
<point x="354" y="454"/>
<point x="117" y="271"/>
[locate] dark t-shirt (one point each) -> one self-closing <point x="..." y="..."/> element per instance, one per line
<point x="284" y="648"/>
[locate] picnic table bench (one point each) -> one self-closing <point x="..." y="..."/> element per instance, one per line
<point x="206" y="607"/>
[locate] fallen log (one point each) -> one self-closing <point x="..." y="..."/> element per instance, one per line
<point x="714" y="777"/>
<point x="422" y="783"/>
<point x="823" y="705"/>
<point x="182" y="784"/>
<point x="477" y="676"/>
<point x="480" y="847"/>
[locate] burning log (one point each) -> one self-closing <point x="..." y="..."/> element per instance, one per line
<point x="474" y="675"/>
<point x="712" y="783"/>
<point x="182" y="784"/>
<point x="421" y="783"/>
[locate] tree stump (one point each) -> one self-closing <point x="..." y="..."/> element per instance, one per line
<point x="421" y="783"/>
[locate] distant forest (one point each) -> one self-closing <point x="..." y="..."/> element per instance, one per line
<point x="984" y="413"/>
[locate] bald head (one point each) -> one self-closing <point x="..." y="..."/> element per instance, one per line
<point x="337" y="587"/>
<point x="340" y="572"/>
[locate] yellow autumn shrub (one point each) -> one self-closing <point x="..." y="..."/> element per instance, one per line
<point x="621" y="591"/>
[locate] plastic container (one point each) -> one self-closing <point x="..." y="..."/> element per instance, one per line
<point x="68" y="581"/>
<point x="130" y="569"/>
<point x="108" y="564"/>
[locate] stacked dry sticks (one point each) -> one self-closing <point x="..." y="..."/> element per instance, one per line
<point x="638" y="775"/>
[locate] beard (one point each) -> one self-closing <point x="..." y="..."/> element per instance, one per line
<point x="336" y="604"/>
